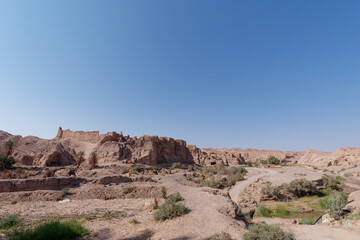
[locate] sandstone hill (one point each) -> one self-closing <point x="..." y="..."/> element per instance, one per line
<point x="113" y="148"/>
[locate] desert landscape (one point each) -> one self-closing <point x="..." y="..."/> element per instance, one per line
<point x="112" y="186"/>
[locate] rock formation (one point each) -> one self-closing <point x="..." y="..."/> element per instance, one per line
<point x="112" y="148"/>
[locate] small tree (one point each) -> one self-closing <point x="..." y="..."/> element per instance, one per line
<point x="329" y="163"/>
<point x="6" y="161"/>
<point x="336" y="162"/>
<point x="79" y="158"/>
<point x="92" y="160"/>
<point x="273" y="160"/>
<point x="336" y="203"/>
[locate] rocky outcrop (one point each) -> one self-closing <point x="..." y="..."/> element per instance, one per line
<point x="212" y="157"/>
<point x="19" y="185"/>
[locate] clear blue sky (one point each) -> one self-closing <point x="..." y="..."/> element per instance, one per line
<point x="260" y="74"/>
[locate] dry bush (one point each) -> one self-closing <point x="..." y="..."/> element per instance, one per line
<point x="92" y="160"/>
<point x="270" y="191"/>
<point x="80" y="158"/>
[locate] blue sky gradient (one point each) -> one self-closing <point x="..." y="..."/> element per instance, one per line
<point x="250" y="74"/>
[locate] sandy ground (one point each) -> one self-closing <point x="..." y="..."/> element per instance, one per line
<point x="211" y="211"/>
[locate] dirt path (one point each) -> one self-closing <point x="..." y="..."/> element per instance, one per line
<point x="254" y="175"/>
<point x="209" y="213"/>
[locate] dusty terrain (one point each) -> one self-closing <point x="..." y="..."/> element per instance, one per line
<point x="116" y="199"/>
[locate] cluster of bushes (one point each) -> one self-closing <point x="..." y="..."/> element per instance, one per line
<point x="295" y="189"/>
<point x="271" y="160"/>
<point x="219" y="176"/>
<point x="54" y="230"/>
<point x="331" y="183"/>
<point x="267" y="232"/>
<point x="171" y="208"/>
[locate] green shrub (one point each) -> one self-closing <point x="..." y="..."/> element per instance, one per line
<point x="300" y="188"/>
<point x="329" y="164"/>
<point x="138" y="168"/>
<point x="9" y="222"/>
<point x="307" y="221"/>
<point x="249" y="164"/>
<point x="330" y="182"/>
<point x="163" y="192"/>
<point x="271" y="160"/>
<point x="178" y="165"/>
<point x="267" y="232"/>
<point x="335" y="204"/>
<point x="220" y="236"/>
<point x="127" y="190"/>
<point x="264" y="211"/>
<point x="54" y="230"/>
<point x="124" y="170"/>
<point x="347" y="175"/>
<point x="270" y="191"/>
<point x="175" y="197"/>
<point x="6" y="162"/>
<point x="170" y="209"/>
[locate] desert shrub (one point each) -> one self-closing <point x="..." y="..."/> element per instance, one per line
<point x="300" y="188"/>
<point x="80" y="158"/>
<point x="264" y="211"/>
<point x="336" y="162"/>
<point x="127" y="190"/>
<point x="175" y="197"/>
<point x="138" y="168"/>
<point x="329" y="164"/>
<point x="335" y="204"/>
<point x="6" y="162"/>
<point x="156" y="204"/>
<point x="270" y="191"/>
<point x="307" y="221"/>
<point x="169" y="210"/>
<point x="92" y="160"/>
<point x="273" y="160"/>
<point x="163" y="192"/>
<point x="267" y="232"/>
<point x="347" y="175"/>
<point x="133" y="221"/>
<point x="330" y="182"/>
<point x="178" y="165"/>
<point x="9" y="222"/>
<point x="249" y="164"/>
<point x="124" y="170"/>
<point x="54" y="230"/>
<point x="220" y="236"/>
<point x="281" y="211"/>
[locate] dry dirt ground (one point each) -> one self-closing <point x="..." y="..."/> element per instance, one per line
<point x="211" y="211"/>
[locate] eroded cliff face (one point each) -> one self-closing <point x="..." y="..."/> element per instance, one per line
<point x="110" y="148"/>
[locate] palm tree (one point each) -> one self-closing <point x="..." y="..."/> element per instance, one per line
<point x="80" y="158"/>
<point x="8" y="148"/>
